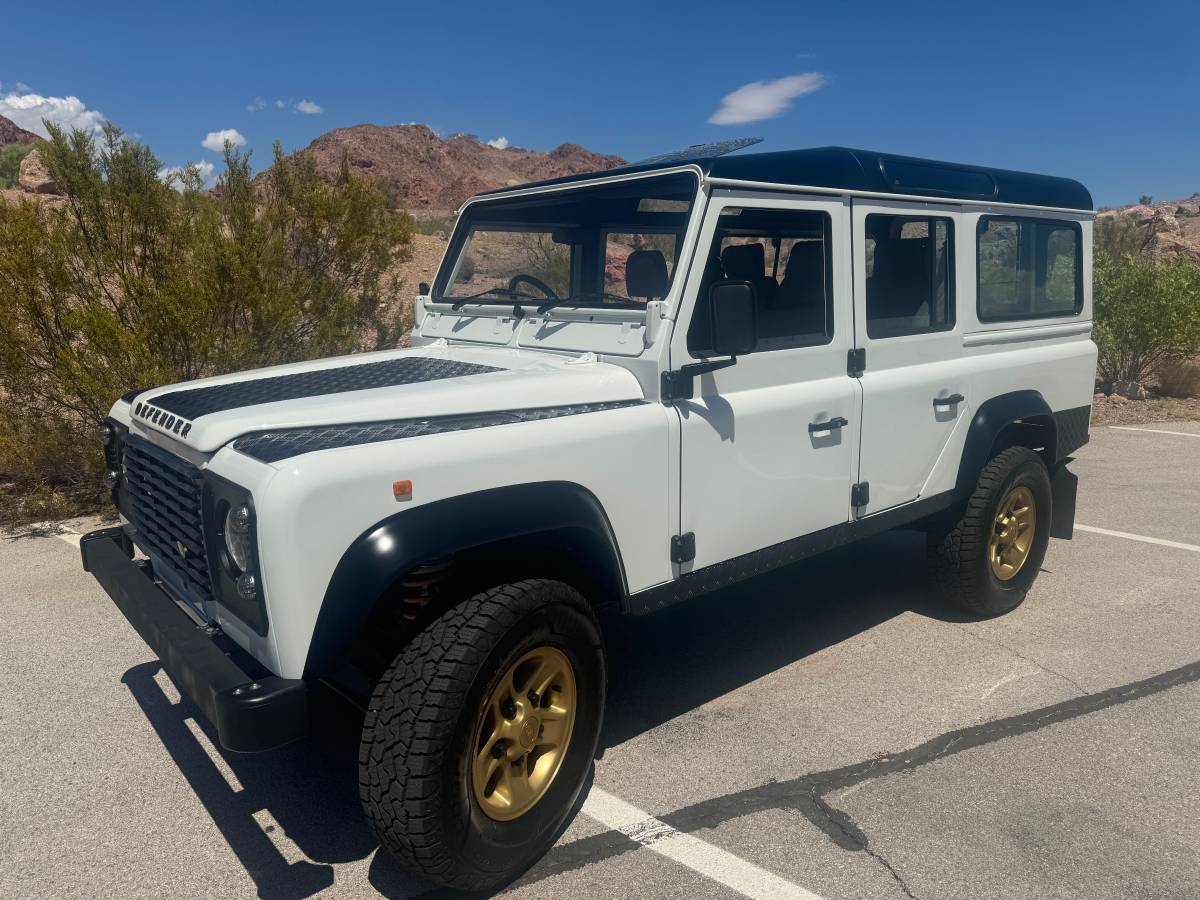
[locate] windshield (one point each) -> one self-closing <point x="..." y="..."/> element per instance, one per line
<point x="614" y="245"/>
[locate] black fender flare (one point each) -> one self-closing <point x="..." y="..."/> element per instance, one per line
<point x="992" y="417"/>
<point x="383" y="553"/>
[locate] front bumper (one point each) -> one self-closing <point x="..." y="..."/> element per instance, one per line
<point x="250" y="712"/>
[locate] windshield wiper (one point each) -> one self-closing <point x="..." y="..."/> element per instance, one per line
<point x="594" y="295"/>
<point x="503" y="292"/>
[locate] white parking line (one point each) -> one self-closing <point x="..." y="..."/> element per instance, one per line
<point x="1155" y="431"/>
<point x="712" y="862"/>
<point x="1138" y="537"/>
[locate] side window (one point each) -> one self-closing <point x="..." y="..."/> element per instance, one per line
<point x="1029" y="268"/>
<point x="910" y="275"/>
<point x="786" y="255"/>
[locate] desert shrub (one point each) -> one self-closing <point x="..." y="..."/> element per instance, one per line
<point x="1179" y="378"/>
<point x="10" y="163"/>
<point x="1117" y="236"/>
<point x="1147" y="315"/>
<point x="133" y="282"/>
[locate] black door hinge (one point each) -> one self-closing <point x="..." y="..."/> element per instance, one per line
<point x="860" y="494"/>
<point x="856" y="362"/>
<point x="683" y="547"/>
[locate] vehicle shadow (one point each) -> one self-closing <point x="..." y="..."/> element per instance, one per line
<point x="290" y="815"/>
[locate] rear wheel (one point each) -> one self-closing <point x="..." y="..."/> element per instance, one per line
<point x="987" y="562"/>
<point x="481" y="734"/>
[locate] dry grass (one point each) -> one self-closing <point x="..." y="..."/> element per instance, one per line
<point x="1119" y="411"/>
<point x="1180" y="379"/>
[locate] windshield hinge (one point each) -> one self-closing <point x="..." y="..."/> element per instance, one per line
<point x="856" y="362"/>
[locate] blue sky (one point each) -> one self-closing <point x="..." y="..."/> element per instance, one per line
<point x="1108" y="93"/>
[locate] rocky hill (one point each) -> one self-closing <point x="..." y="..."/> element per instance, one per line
<point x="425" y="172"/>
<point x="1163" y="228"/>
<point x="11" y="133"/>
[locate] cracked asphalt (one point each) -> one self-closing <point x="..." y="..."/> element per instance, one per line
<point x="828" y="723"/>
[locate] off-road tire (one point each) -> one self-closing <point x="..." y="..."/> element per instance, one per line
<point x="958" y="558"/>
<point x="414" y="770"/>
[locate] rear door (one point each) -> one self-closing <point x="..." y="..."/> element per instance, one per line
<point x="915" y="392"/>
<point x="768" y="445"/>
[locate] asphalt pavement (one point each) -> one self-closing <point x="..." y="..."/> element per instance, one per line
<point x="827" y="730"/>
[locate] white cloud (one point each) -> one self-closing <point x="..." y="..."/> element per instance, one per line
<point x="765" y="99"/>
<point x="257" y="104"/>
<point x="170" y="174"/>
<point x="499" y="143"/>
<point x="27" y="110"/>
<point x="215" y="140"/>
<point x="308" y="108"/>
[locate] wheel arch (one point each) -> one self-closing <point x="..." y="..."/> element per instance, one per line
<point x="1015" y="419"/>
<point x="539" y="529"/>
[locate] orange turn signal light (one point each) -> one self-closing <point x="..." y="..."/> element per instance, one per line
<point x="402" y="490"/>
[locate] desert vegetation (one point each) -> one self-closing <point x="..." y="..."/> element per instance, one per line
<point x="131" y="278"/>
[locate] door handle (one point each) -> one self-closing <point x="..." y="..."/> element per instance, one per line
<point x="835" y="422"/>
<point x="948" y="401"/>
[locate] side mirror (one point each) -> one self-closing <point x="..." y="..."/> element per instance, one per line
<point x="423" y="288"/>
<point x="734" y="317"/>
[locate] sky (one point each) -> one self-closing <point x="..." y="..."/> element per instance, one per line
<point x="1108" y="93"/>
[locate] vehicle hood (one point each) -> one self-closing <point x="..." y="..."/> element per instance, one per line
<point x="371" y="387"/>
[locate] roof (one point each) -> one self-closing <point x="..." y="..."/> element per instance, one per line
<point x="853" y="171"/>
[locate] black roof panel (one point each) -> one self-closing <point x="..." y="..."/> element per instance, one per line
<point x="867" y="170"/>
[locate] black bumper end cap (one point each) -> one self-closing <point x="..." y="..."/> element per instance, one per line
<point x="250" y="714"/>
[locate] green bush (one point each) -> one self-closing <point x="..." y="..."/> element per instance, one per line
<point x="132" y="282"/>
<point x="10" y="163"/>
<point x="1147" y="315"/>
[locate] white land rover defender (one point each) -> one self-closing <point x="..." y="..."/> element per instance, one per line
<point x="624" y="389"/>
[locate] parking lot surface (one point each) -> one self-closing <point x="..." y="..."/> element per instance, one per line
<point x="827" y="730"/>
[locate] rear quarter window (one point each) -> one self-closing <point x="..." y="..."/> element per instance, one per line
<point x="1029" y="268"/>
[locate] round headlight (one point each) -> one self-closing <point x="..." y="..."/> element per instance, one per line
<point x="237" y="536"/>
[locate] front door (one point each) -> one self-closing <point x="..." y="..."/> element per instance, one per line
<point x="914" y="388"/>
<point x="767" y="445"/>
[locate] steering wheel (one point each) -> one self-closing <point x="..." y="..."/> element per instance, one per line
<point x="533" y="281"/>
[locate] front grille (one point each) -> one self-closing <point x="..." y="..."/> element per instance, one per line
<point x="164" y="507"/>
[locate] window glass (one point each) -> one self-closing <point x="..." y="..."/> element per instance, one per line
<point x="910" y="275"/>
<point x="612" y="245"/>
<point x="492" y="258"/>
<point x="785" y="255"/>
<point x="617" y="247"/>
<point x="1028" y="268"/>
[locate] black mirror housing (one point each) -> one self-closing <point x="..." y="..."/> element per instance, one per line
<point x="734" y="317"/>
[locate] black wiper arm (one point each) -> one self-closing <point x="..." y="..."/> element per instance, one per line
<point x="503" y="292"/>
<point x="595" y="295"/>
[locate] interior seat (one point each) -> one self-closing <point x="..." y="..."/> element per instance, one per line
<point x="899" y="287"/>
<point x="646" y="276"/>
<point x="748" y="262"/>
<point x="799" y="307"/>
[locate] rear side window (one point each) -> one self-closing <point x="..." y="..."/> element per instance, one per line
<point x="910" y="275"/>
<point x="1029" y="268"/>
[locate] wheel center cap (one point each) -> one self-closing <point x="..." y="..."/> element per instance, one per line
<point x="529" y="732"/>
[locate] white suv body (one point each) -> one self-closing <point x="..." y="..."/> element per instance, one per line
<point x="911" y="320"/>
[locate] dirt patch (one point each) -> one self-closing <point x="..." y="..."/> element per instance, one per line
<point x="1119" y="411"/>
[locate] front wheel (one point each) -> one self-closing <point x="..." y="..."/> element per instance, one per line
<point x="987" y="562"/>
<point x="480" y="735"/>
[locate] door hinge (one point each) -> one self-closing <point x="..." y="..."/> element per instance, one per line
<point x="856" y="362"/>
<point x="683" y="547"/>
<point x="860" y="494"/>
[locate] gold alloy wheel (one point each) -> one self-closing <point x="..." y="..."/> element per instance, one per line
<point x="523" y="734"/>
<point x="1012" y="533"/>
